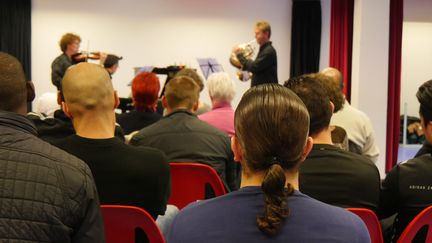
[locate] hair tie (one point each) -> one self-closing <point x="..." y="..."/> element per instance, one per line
<point x="274" y="161"/>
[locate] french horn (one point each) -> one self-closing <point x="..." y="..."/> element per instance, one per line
<point x="248" y="49"/>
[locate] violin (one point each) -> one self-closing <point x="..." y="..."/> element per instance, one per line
<point x="84" y="56"/>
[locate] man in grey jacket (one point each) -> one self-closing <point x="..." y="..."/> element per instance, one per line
<point x="46" y="194"/>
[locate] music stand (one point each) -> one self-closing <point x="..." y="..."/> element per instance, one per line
<point x="209" y="66"/>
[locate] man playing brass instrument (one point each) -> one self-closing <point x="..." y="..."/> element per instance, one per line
<point x="264" y="67"/>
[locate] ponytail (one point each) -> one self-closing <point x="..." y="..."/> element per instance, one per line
<point x="275" y="200"/>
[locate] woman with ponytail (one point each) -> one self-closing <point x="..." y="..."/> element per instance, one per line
<point x="271" y="140"/>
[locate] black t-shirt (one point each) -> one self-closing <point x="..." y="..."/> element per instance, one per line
<point x="407" y="190"/>
<point x="136" y="120"/>
<point x="125" y="175"/>
<point x="340" y="178"/>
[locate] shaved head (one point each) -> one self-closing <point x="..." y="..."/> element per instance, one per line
<point x="87" y="88"/>
<point x="335" y="75"/>
<point x="13" y="91"/>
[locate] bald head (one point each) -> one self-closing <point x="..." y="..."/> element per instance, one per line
<point x="335" y="75"/>
<point x="13" y="91"/>
<point x="87" y="88"/>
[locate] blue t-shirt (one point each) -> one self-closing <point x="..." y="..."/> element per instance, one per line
<point x="232" y="218"/>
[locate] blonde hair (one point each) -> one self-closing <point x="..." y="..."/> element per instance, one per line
<point x="181" y="91"/>
<point x="264" y="26"/>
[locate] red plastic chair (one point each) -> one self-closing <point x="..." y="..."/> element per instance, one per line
<point x="372" y="223"/>
<point x="422" y="219"/>
<point x="121" y="221"/>
<point x="188" y="183"/>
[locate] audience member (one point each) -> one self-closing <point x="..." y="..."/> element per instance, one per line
<point x="268" y="207"/>
<point x="69" y="45"/>
<point x="123" y="174"/>
<point x="183" y="137"/>
<point x="47" y="104"/>
<point x="355" y="122"/>
<point x="191" y="73"/>
<point x="145" y="90"/>
<point x="406" y="189"/>
<point x="111" y="64"/>
<point x="46" y="195"/>
<point x="330" y="174"/>
<point x="221" y="91"/>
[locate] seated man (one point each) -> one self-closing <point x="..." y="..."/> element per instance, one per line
<point x="111" y="64"/>
<point x="356" y="123"/>
<point x="46" y="195"/>
<point x="183" y="137"/>
<point x="406" y="189"/>
<point x="192" y="73"/>
<point x="123" y="174"/>
<point x="330" y="174"/>
<point x="221" y="90"/>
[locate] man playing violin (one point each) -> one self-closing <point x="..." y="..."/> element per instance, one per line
<point x="69" y="44"/>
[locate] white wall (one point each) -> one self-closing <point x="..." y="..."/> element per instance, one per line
<point x="158" y="33"/>
<point x="416" y="62"/>
<point x="370" y="66"/>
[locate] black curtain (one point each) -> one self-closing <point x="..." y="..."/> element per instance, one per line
<point x="15" y="31"/>
<point x="305" y="37"/>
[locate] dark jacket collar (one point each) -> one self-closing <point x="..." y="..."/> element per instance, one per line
<point x="321" y="146"/>
<point x="268" y="43"/>
<point x="17" y="121"/>
<point x="180" y="111"/>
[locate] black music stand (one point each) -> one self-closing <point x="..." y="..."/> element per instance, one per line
<point x="209" y="66"/>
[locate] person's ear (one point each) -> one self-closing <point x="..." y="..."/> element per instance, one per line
<point x="30" y="91"/>
<point x="332" y="107"/>
<point x="116" y="100"/>
<point x="164" y="102"/>
<point x="307" y="148"/>
<point x="195" y="106"/>
<point x="59" y="98"/>
<point x="66" y="110"/>
<point x="237" y="149"/>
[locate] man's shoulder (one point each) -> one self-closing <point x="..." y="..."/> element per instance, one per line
<point x="144" y="152"/>
<point x="62" y="58"/>
<point x="35" y="152"/>
<point x="334" y="156"/>
<point x="178" y="124"/>
<point x="418" y="164"/>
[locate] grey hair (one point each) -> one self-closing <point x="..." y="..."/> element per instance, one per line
<point x="221" y="87"/>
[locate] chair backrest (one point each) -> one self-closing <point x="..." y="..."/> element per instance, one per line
<point x="422" y="219"/>
<point x="371" y="221"/>
<point x="189" y="180"/>
<point x="121" y="221"/>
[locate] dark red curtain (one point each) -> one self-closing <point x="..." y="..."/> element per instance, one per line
<point x="394" y="82"/>
<point x="341" y="36"/>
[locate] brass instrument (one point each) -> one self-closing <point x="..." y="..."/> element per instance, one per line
<point x="248" y="50"/>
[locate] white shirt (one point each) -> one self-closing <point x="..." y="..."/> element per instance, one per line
<point x="359" y="129"/>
